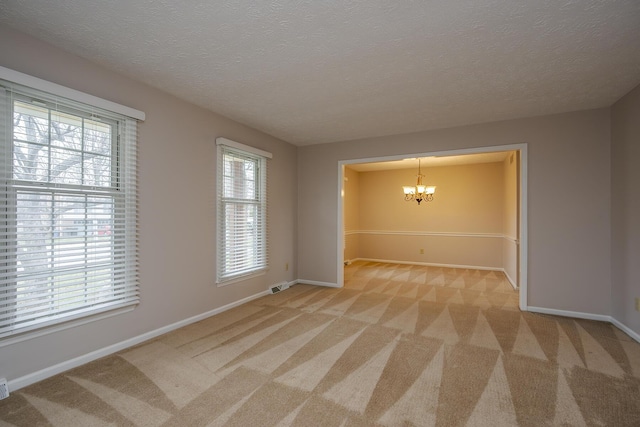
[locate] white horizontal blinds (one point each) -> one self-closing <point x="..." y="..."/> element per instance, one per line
<point x="127" y="221"/>
<point x="242" y="213"/>
<point x="68" y="235"/>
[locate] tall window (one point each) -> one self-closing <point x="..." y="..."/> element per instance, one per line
<point x="68" y="232"/>
<point x="242" y="210"/>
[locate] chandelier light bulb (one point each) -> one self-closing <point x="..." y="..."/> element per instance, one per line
<point x="419" y="192"/>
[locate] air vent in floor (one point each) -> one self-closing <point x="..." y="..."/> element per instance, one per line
<point x="279" y="287"/>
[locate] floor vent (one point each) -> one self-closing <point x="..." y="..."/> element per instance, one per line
<point x="279" y="287"/>
<point x="4" y="389"/>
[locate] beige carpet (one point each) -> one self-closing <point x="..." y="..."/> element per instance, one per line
<point x="399" y="345"/>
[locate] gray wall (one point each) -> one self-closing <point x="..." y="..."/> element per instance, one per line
<point x="625" y="208"/>
<point x="568" y="203"/>
<point x="176" y="212"/>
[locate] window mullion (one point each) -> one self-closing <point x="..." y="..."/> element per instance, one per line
<point x="241" y="213"/>
<point x="64" y="269"/>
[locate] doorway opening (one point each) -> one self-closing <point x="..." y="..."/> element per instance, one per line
<point x="443" y="240"/>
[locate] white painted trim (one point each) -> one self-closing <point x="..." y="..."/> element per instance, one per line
<point x="434" y="233"/>
<point x="624" y="328"/>
<point x="457" y="152"/>
<point x="241" y="278"/>
<point x="342" y="240"/>
<point x="317" y="283"/>
<point x="243" y="147"/>
<point x="65" y="92"/>
<point x="567" y="313"/>
<point x="430" y="264"/>
<point x="589" y="316"/>
<point x="513" y="282"/>
<point x="522" y="239"/>
<point x="45" y="373"/>
<point x="429" y="233"/>
<point x="287" y="284"/>
<point x="511" y="239"/>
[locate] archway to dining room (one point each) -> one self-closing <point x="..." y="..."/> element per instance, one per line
<point x="476" y="220"/>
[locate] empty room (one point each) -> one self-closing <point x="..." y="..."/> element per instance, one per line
<point x="319" y="213"/>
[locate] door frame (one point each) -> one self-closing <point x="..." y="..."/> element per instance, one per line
<point x="521" y="148"/>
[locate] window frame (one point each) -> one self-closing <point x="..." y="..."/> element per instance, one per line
<point x="260" y="202"/>
<point x="120" y="191"/>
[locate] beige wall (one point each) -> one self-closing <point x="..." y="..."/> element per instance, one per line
<point x="510" y="216"/>
<point x="452" y="250"/>
<point x="177" y="207"/>
<point x="625" y="185"/>
<point x="468" y="199"/>
<point x="569" y="226"/>
<point x="461" y="226"/>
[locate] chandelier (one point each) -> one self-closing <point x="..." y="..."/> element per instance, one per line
<point x="419" y="192"/>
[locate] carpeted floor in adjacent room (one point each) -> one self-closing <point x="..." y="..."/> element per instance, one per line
<point x="398" y="345"/>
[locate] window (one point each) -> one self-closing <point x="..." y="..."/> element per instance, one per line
<point x="242" y="210"/>
<point x="68" y="231"/>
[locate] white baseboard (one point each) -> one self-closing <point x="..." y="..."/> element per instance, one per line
<point x="429" y="264"/>
<point x="42" y="374"/>
<point x="624" y="328"/>
<point x="588" y="316"/>
<point x="315" y="282"/>
<point x="284" y="283"/>
<point x="542" y="310"/>
<point x="513" y="282"/>
<point x="34" y="377"/>
<point x="567" y="313"/>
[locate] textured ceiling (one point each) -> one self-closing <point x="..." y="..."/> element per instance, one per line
<point x="310" y="71"/>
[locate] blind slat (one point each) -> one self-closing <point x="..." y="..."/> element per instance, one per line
<point x="68" y="227"/>
<point x="242" y="212"/>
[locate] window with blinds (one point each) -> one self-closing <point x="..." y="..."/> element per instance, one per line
<point x="242" y="210"/>
<point x="68" y="228"/>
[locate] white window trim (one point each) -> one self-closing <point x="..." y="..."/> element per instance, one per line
<point x="242" y="278"/>
<point x="247" y="148"/>
<point x="220" y="141"/>
<point x="72" y="95"/>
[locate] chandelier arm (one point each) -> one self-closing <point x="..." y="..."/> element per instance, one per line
<point x="419" y="192"/>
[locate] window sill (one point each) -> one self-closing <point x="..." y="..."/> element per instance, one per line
<point x="241" y="278"/>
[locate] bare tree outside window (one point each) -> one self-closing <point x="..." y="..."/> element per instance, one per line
<point x="68" y="206"/>
<point x="242" y="214"/>
<point x="62" y="163"/>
